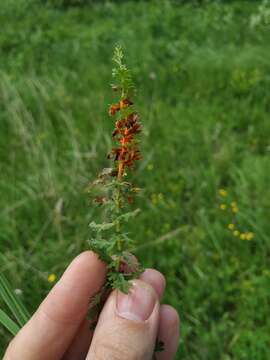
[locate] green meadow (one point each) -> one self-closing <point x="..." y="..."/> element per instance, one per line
<point x="202" y="71"/>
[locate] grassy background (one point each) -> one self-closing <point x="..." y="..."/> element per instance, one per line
<point x="203" y="78"/>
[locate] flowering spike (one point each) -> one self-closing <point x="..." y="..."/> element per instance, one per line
<point x="111" y="242"/>
<point x="111" y="191"/>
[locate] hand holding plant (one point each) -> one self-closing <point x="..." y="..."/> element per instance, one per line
<point x="127" y="327"/>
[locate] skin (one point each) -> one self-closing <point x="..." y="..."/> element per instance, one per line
<point x="59" y="329"/>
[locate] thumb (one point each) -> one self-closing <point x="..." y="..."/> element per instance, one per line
<point x="127" y="326"/>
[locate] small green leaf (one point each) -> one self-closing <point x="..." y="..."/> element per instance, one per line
<point x="128" y="215"/>
<point x="117" y="280"/>
<point x="101" y="227"/>
<point x="101" y="247"/>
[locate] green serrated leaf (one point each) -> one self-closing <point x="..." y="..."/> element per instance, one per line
<point x="101" y="227"/>
<point x="118" y="281"/>
<point x="128" y="215"/>
<point x="100" y="247"/>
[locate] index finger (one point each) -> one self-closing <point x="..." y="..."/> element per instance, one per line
<point x="52" y="328"/>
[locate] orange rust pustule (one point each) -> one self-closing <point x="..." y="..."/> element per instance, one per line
<point x="122" y="104"/>
<point x="124" y="133"/>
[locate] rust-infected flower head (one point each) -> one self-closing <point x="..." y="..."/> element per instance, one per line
<point x="124" y="133"/>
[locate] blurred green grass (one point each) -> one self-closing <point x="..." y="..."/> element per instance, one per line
<point x="203" y="91"/>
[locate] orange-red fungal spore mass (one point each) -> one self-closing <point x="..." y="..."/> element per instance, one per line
<point x="126" y="128"/>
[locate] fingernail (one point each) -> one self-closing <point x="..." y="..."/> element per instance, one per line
<point x="138" y="304"/>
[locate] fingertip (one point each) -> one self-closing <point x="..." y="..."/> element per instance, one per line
<point x="168" y="332"/>
<point x="86" y="270"/>
<point x="88" y="259"/>
<point x="156" y="279"/>
<point x="171" y="316"/>
<point x="69" y="299"/>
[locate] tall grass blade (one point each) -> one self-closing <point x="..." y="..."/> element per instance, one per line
<point x="13" y="302"/>
<point x="9" y="324"/>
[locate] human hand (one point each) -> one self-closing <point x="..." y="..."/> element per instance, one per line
<point x="127" y="327"/>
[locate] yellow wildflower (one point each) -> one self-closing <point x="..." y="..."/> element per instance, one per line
<point x="243" y="236"/>
<point x="233" y="204"/>
<point x="222" y="192"/>
<point x="51" y="278"/>
<point x="223" y="206"/>
<point x="231" y="226"/>
<point x="236" y="233"/>
<point x="249" y="236"/>
<point x="235" y="209"/>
